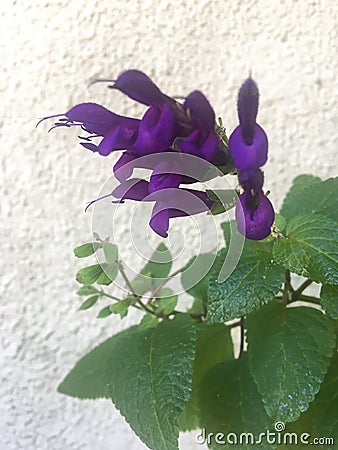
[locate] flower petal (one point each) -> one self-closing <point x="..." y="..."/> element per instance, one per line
<point x="248" y="96"/>
<point x="133" y="189"/>
<point x="138" y="86"/>
<point x="95" y="118"/>
<point x="249" y="156"/>
<point x="200" y="110"/>
<point x="156" y="132"/>
<point x="164" y="176"/>
<point x="159" y="221"/>
<point x="251" y="179"/>
<point x="119" y="138"/>
<point x="254" y="215"/>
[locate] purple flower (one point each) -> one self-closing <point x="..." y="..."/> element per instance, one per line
<point x="118" y="132"/>
<point x="248" y="145"/>
<point x="167" y="127"/>
<point x="169" y="201"/>
<point x="254" y="215"/>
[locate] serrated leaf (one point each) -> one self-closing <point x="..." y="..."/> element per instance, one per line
<point x="82" y="251"/>
<point x="310" y="195"/>
<point x="105" y="312"/>
<point x="329" y="300"/>
<point x="280" y="222"/>
<point x="148" y="321"/>
<point x="310" y="248"/>
<point x="110" y="252"/>
<point x="147" y="373"/>
<point x="289" y="351"/>
<point x="321" y="419"/>
<point x="196" y="275"/>
<point x="109" y="273"/>
<point x="254" y="282"/>
<point x="214" y="345"/>
<point x="121" y="307"/>
<point x="230" y="404"/>
<point x="86" y="290"/>
<point x="89" y="302"/>
<point x="89" y="275"/>
<point x="157" y="268"/>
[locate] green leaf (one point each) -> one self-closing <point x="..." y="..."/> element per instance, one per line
<point x="254" y="282"/>
<point x="148" y="321"/>
<point x="214" y="345"/>
<point x="230" y="404"/>
<point x="288" y="359"/>
<point x="82" y="251"/>
<point x="157" y="268"/>
<point x="196" y="275"/>
<point x="89" y="275"/>
<point x="167" y="304"/>
<point x="109" y="273"/>
<point x="121" y="307"/>
<point x="310" y="248"/>
<point x="321" y="419"/>
<point x="224" y="199"/>
<point x="310" y="195"/>
<point x="89" y="302"/>
<point x="110" y="252"/>
<point x="86" y="290"/>
<point x="280" y="222"/>
<point x="105" y="312"/>
<point x="147" y="373"/>
<point x="329" y="300"/>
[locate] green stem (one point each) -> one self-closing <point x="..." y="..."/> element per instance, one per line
<point x="105" y="294"/>
<point x="242" y="337"/>
<point x="163" y="283"/>
<point x="301" y="288"/>
<point x="130" y="287"/>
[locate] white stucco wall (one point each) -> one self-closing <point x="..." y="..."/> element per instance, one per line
<point x="49" y="52"/>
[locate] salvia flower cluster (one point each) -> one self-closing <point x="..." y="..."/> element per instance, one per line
<point x="170" y="127"/>
<point x="248" y="145"/>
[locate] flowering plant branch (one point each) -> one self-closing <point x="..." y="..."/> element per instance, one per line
<point x="179" y="369"/>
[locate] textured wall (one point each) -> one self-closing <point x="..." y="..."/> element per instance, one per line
<point x="49" y="52"/>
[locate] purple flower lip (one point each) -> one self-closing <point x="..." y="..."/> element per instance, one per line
<point x="251" y="156"/>
<point x="254" y="215"/>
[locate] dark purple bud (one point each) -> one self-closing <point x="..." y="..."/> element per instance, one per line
<point x="156" y="132"/>
<point x="254" y="215"/>
<point x="138" y="86"/>
<point x="247" y="109"/>
<point x="251" y="179"/>
<point x="246" y="156"/>
<point x="200" y="111"/>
